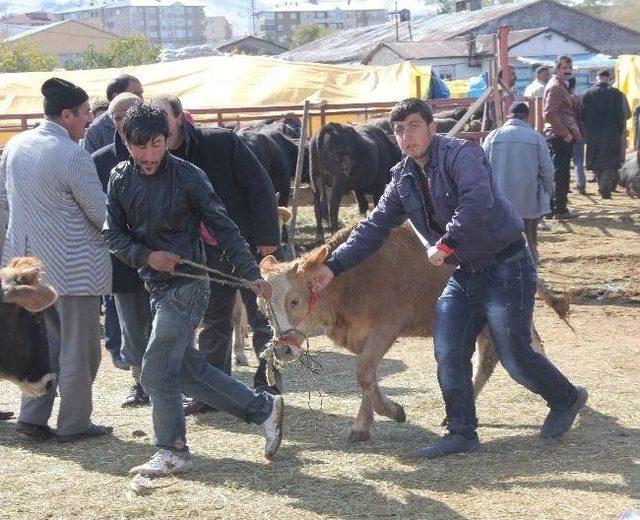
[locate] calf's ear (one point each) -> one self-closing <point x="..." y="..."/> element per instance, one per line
<point x="315" y="258"/>
<point x="34" y="298"/>
<point x="284" y="214"/>
<point x="268" y="263"/>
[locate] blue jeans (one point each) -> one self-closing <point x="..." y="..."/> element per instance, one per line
<point x="112" y="333"/>
<point x="171" y="365"/>
<point x="578" y="161"/>
<point x="500" y="297"/>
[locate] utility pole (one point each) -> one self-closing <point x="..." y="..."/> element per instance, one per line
<point x="253" y="15"/>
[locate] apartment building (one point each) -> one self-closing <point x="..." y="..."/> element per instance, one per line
<point x="279" y="23"/>
<point x="168" y="23"/>
<point x="217" y="29"/>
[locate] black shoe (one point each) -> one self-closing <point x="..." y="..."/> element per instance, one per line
<point x="37" y="432"/>
<point x="95" y="430"/>
<point x="5" y="416"/>
<point x="558" y="422"/>
<point x="564" y="215"/>
<point x="448" y="445"/>
<point x="137" y="397"/>
<point x="593" y="179"/>
<point x="198" y="407"/>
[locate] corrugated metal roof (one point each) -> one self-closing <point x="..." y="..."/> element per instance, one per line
<point x="454" y="47"/>
<point x="43" y="28"/>
<point x="369" y="5"/>
<point x="355" y="44"/>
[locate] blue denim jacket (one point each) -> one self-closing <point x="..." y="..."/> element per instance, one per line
<point x="478" y="221"/>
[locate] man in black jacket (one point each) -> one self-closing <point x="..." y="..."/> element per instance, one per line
<point x="131" y="298"/>
<point x="156" y="205"/>
<point x="605" y="110"/>
<point x="248" y="196"/>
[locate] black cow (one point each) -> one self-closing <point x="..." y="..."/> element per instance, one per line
<point x="630" y="175"/>
<point x="24" y="351"/>
<point x="348" y="158"/>
<point x="278" y="154"/>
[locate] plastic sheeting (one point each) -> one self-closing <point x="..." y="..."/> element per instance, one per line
<point x="229" y="81"/>
<point x="628" y="81"/>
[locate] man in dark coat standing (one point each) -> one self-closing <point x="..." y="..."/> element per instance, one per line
<point x="247" y="193"/>
<point x="604" y="113"/>
<point x="130" y="297"/>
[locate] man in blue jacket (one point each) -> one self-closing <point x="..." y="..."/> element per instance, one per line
<point x="444" y="187"/>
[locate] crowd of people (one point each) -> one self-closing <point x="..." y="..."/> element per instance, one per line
<point x="117" y="224"/>
<point x="121" y="208"/>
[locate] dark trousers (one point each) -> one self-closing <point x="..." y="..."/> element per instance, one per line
<point x="215" y="340"/>
<point x="112" y="332"/>
<point x="501" y="297"/>
<point x="531" y="232"/>
<point x="607" y="181"/>
<point x="561" y="153"/>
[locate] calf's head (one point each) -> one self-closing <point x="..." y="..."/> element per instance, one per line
<point x="24" y="351"/>
<point x="293" y="311"/>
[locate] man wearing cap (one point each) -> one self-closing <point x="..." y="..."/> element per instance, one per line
<point x="522" y="169"/>
<point x="56" y="210"/>
<point x="535" y="89"/>
<point x="604" y="111"/>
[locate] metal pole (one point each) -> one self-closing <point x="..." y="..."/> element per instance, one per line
<point x="296" y="184"/>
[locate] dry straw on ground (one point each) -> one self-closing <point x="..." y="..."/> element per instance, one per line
<point x="592" y="473"/>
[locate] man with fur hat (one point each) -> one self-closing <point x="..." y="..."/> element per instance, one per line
<point x="56" y="210"/>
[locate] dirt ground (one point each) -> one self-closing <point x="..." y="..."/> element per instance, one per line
<point x="591" y="473"/>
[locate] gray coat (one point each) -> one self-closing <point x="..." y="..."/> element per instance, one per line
<point x="522" y="167"/>
<point x="99" y="134"/>
<point x="56" y="210"/>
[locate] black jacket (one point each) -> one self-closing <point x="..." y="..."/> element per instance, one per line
<point x="604" y="111"/>
<point x="163" y="212"/>
<point x="125" y="278"/>
<point x="238" y="178"/>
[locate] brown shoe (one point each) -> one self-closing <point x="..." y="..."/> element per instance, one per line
<point x="198" y="407"/>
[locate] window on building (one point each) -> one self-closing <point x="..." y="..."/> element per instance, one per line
<point x="447" y="72"/>
<point x="280" y="28"/>
<point x="321" y="15"/>
<point x="280" y="16"/>
<point x="293" y="16"/>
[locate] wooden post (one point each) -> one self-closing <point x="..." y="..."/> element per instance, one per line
<point x="291" y="249"/>
<point x="418" y="86"/>
<point x="470" y="111"/>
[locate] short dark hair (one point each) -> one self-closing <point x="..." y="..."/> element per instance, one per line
<point x="409" y="106"/>
<point x="563" y="58"/>
<point x="173" y="102"/>
<point x="144" y="122"/>
<point x="511" y="67"/>
<point x="99" y="105"/>
<point x="119" y="85"/>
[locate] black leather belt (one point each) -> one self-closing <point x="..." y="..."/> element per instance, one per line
<point x="508" y="252"/>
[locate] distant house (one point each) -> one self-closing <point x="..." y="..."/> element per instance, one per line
<point x="459" y="58"/>
<point x="32" y="19"/>
<point x="355" y="45"/>
<point x="253" y="46"/>
<point x="217" y="29"/>
<point x="64" y="40"/>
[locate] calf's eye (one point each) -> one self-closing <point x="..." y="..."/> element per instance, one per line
<point x="295" y="301"/>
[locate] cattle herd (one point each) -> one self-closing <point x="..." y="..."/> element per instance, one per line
<point x="396" y="283"/>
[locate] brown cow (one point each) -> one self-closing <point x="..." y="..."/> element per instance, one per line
<point x="392" y="293"/>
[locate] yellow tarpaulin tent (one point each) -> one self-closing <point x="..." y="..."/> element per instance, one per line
<point x="628" y="81"/>
<point x="231" y="81"/>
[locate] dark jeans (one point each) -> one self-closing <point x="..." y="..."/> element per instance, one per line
<point x="112" y="332"/>
<point x="561" y="153"/>
<point x="500" y="296"/>
<point x="215" y="340"/>
<point x="172" y="365"/>
<point x="134" y="310"/>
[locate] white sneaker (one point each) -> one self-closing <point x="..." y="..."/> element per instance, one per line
<point x="164" y="462"/>
<point x="272" y="427"/>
